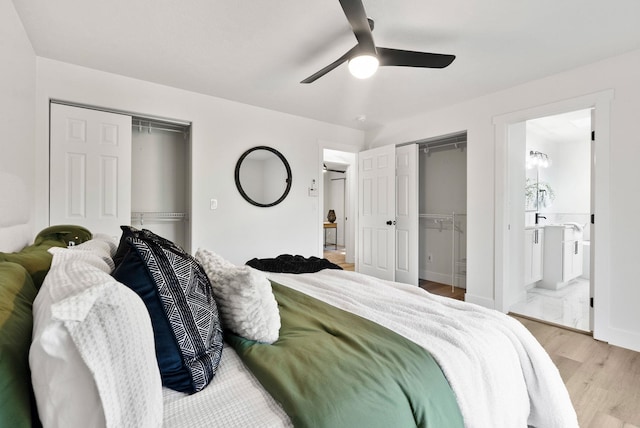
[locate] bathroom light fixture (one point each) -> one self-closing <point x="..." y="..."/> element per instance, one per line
<point x="363" y="66"/>
<point x="538" y="159"/>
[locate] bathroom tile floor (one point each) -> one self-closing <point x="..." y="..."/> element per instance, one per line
<point x="568" y="306"/>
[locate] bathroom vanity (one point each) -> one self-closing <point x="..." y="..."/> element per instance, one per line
<point x="562" y="259"/>
<point x="533" y="254"/>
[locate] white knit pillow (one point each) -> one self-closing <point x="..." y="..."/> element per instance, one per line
<point x="244" y="297"/>
<point x="92" y="357"/>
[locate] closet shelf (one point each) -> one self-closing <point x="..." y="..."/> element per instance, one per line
<point x="443" y="221"/>
<point x="141" y="216"/>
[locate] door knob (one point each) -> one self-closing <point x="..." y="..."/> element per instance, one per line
<point x="390" y="222"/>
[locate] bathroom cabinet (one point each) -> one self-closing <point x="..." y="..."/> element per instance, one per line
<point x="562" y="256"/>
<point x="533" y="254"/>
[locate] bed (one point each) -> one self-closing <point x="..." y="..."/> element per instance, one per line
<point x="319" y="349"/>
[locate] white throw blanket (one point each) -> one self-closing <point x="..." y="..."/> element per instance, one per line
<point x="501" y="375"/>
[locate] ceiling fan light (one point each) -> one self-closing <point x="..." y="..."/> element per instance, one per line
<point x="363" y="66"/>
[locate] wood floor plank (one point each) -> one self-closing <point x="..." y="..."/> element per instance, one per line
<point x="603" y="380"/>
<point x="607" y="421"/>
<point x="442" y="289"/>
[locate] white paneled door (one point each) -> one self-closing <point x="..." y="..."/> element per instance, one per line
<point x="90" y="169"/>
<point x="407" y="219"/>
<point x="377" y="217"/>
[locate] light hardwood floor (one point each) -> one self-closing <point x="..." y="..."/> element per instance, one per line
<point x="603" y="380"/>
<point x="338" y="257"/>
<point x="442" y="289"/>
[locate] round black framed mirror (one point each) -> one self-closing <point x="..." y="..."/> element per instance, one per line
<point x="263" y="176"/>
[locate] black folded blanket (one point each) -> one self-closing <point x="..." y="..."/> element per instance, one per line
<point x="286" y="263"/>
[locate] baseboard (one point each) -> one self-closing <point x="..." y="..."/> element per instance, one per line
<point x="619" y="337"/>
<point x="461" y="280"/>
<point x="478" y="300"/>
<point x="435" y="276"/>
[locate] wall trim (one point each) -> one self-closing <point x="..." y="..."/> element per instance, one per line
<point x="479" y="300"/>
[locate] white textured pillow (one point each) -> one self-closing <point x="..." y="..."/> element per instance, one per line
<point x="92" y="357"/>
<point x="103" y="246"/>
<point x="244" y="297"/>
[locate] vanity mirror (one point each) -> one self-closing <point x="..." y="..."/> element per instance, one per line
<point x="538" y="193"/>
<point x="263" y="176"/>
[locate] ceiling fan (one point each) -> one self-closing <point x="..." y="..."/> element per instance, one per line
<point x="364" y="58"/>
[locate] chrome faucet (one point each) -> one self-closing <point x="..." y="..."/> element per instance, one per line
<point x="538" y="217"/>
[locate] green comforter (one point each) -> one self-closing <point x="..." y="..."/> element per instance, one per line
<point x="331" y="368"/>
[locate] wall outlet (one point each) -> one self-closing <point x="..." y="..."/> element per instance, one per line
<point x="213" y="204"/>
<point x="429" y="258"/>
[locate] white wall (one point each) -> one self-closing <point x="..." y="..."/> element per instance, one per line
<point x="221" y="131"/>
<point x="569" y="175"/>
<point x="618" y="73"/>
<point x="17" y="125"/>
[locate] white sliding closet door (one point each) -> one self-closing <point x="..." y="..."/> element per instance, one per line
<point x="90" y="169"/>
<point x="407" y="232"/>
<point x="377" y="212"/>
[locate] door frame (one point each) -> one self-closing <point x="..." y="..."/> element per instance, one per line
<point x="351" y="196"/>
<point x="505" y="213"/>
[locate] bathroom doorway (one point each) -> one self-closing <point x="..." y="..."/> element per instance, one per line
<point x="557" y="220"/>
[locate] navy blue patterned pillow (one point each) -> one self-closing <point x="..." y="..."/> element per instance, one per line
<point x="123" y="246"/>
<point x="184" y="315"/>
<point x="130" y="231"/>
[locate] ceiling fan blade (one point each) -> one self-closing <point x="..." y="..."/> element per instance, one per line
<point x="401" y="57"/>
<point x="357" y="17"/>
<point x="318" y="74"/>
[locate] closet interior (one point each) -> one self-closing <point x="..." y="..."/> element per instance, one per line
<point x="160" y="184"/>
<point x="442" y="189"/>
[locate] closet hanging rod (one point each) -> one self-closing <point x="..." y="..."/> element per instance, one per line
<point x="445" y="216"/>
<point x="151" y="127"/>
<point x="433" y="147"/>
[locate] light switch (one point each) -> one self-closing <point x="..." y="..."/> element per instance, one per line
<point x="214" y="204"/>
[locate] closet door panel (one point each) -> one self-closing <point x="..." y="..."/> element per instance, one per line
<point x="75" y="181"/>
<point x="90" y="168"/>
<point x="402" y="251"/>
<point x="377" y="212"/>
<point x="108" y="187"/>
<point x="407" y="231"/>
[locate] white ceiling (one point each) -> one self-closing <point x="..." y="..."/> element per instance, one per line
<point x="257" y="52"/>
<point x="570" y="127"/>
